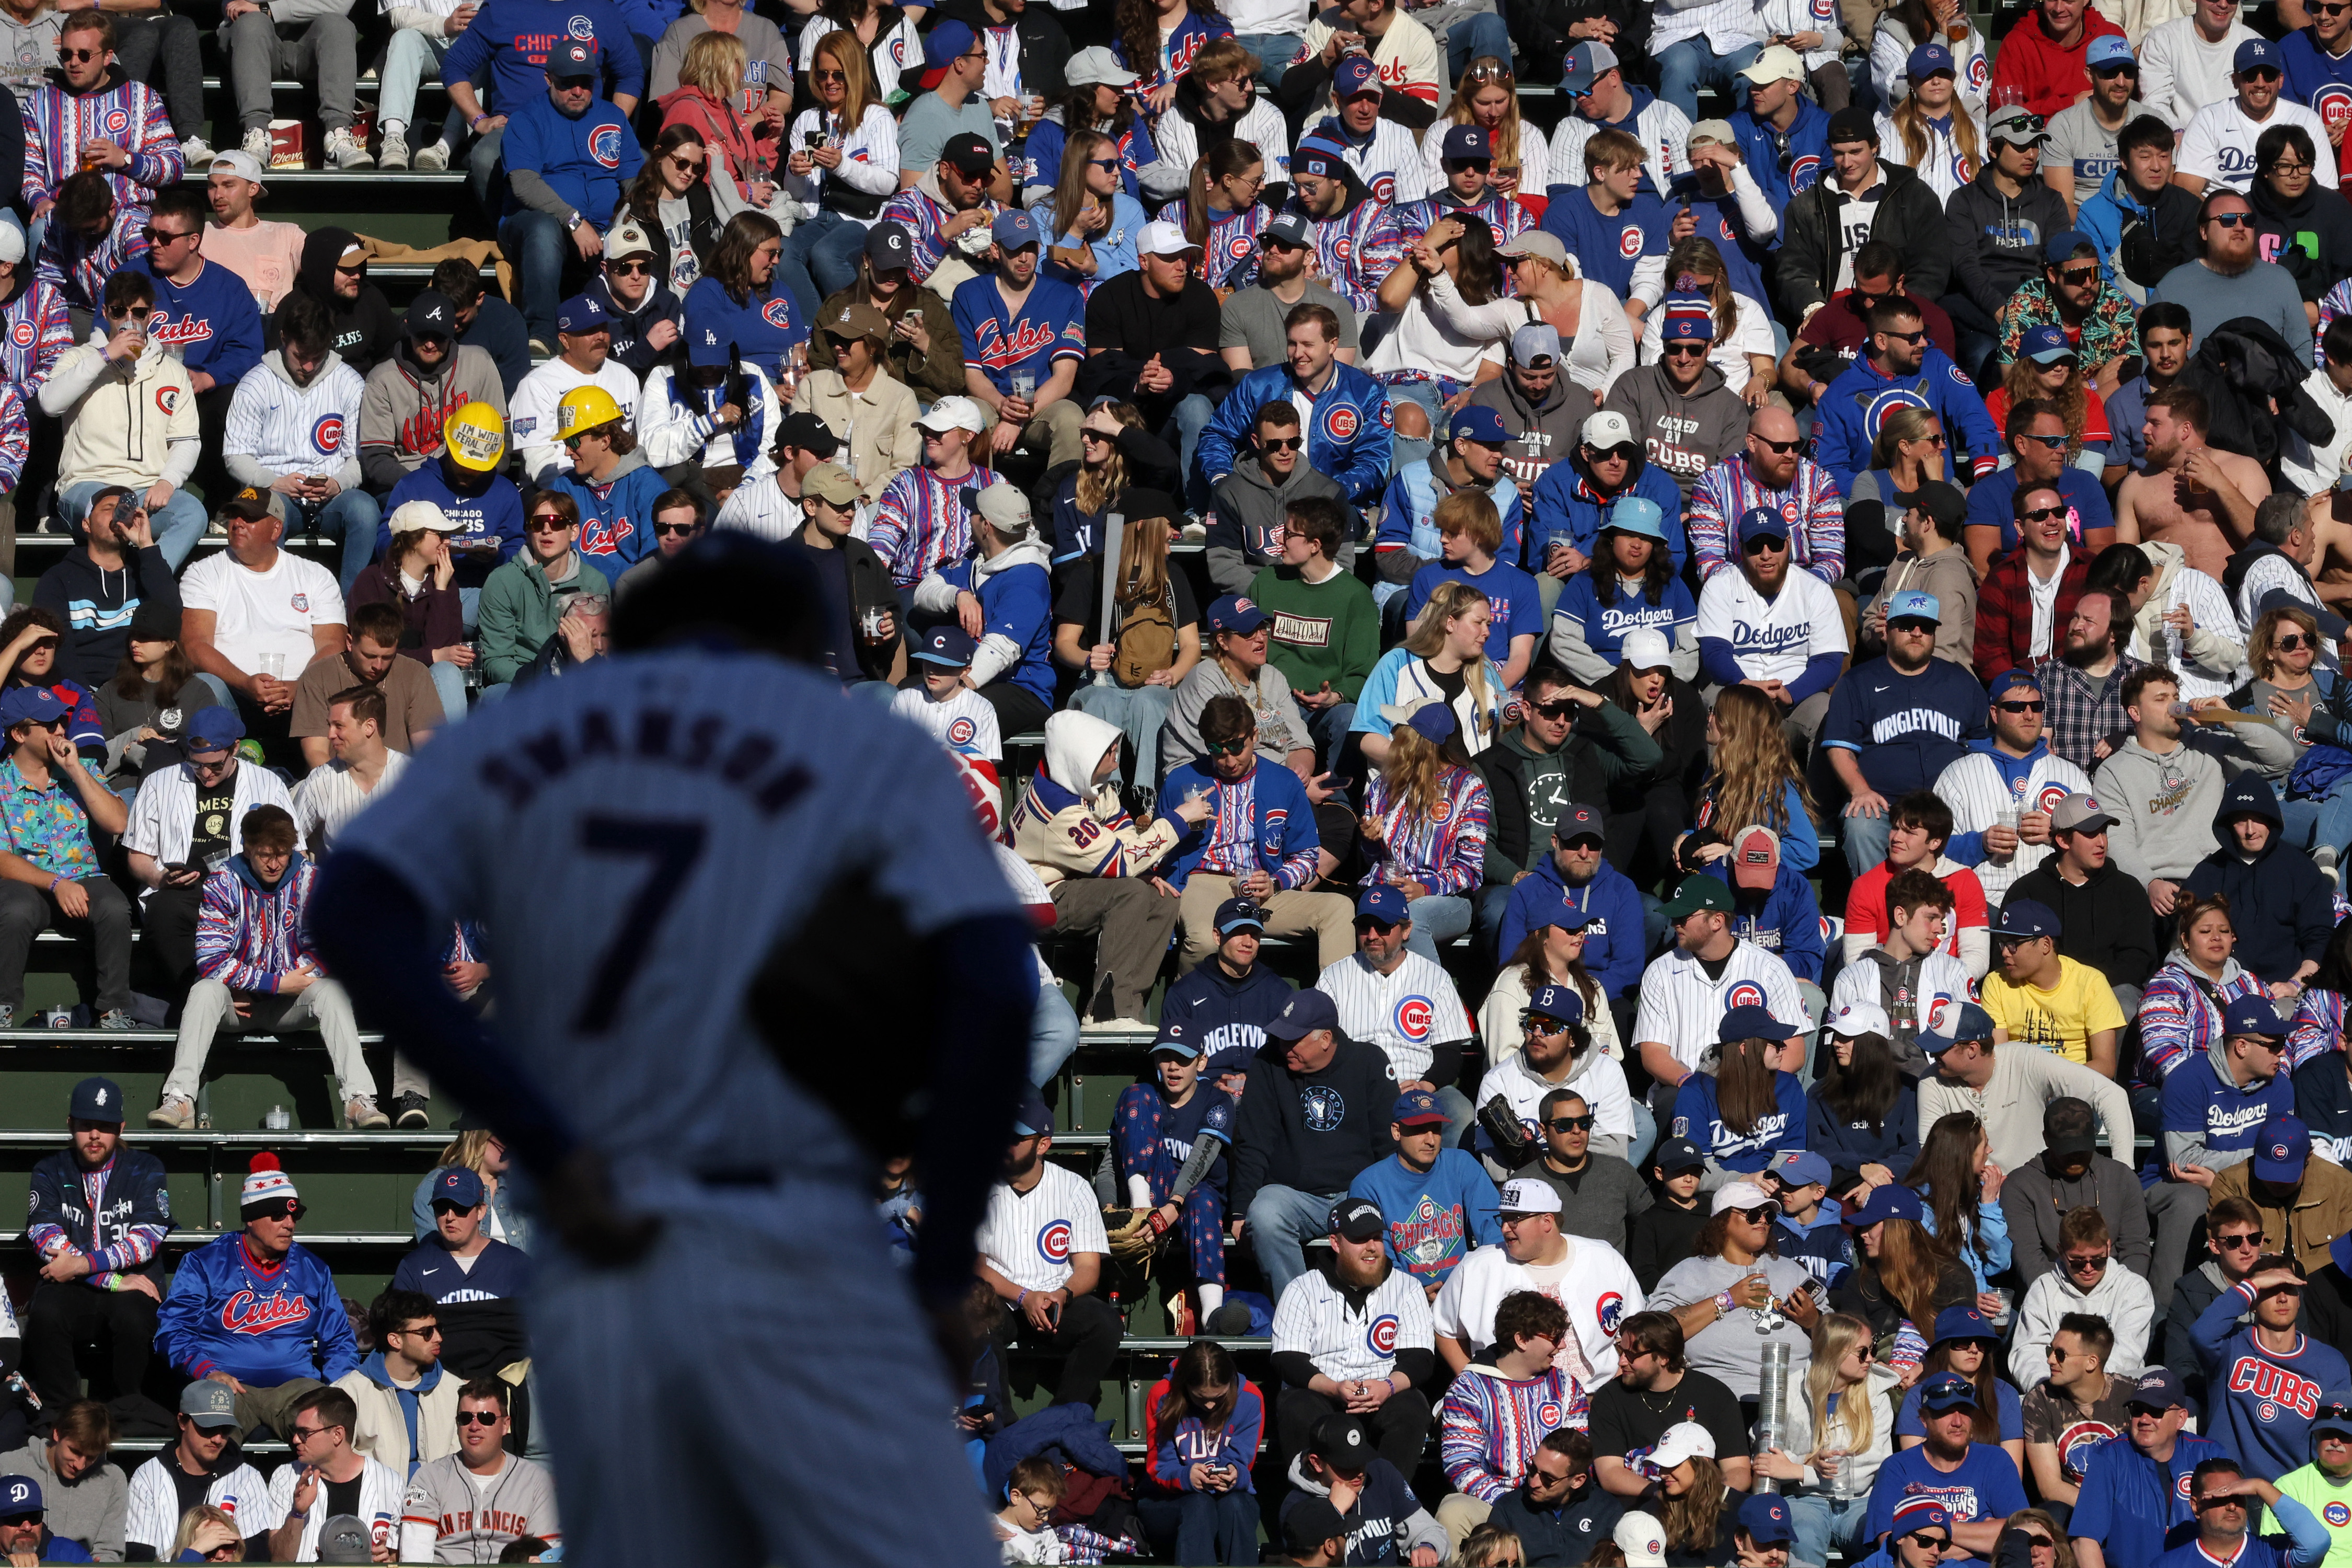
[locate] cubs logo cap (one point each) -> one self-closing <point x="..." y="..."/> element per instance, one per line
<point x="1683" y="1439"/>
<point x="2079" y="813"/>
<point x="1384" y="903"/>
<point x="2253" y="1015"/>
<point x="2280" y="1156"/>
<point x="214" y="730"/>
<point x="1236" y="613"/>
<point x="20" y="1497"/>
<point x="1033" y="1119"/>
<point x="2109" y="50"/>
<point x="1776" y="63"/>
<point x="2255" y="54"/>
<point x="581" y="314"/>
<point x="572" y="58"/>
<point x="1764" y="1518"/>
<point x="1585" y="66"/>
<point x="1575" y="823"/>
<point x="1799" y="1168"/>
<point x="210" y="1404"/>
<point x="1311" y="1523"/>
<point x="1892" y="1201"/>
<point x="1466" y="143"/>
<point x="1171" y="1041"/>
<point x="1687" y="317"/>
<point x="1962" y="1322"/>
<point x="2026" y="918"/>
<point x="1914" y="605"/>
<point x="30" y="704"/>
<point x="950" y="646"/>
<point x="1926" y="60"/>
<point x="1968" y="1022"/>
<point x="1535" y="345"/>
<point x="1562" y="1005"/>
<point x="1858" y="1018"/>
<point x="1098" y="67"/>
<point x="2159" y="1388"/>
<point x="1750" y="1022"/>
<point x="1480" y="424"/>
<point x="96" y="1099"/>
<point x="1417" y="1108"/>
<point x="1645" y="647"/>
<point x="458" y="1185"/>
<point x="1340" y="1441"/>
<point x="1305" y="1012"/>
<point x="1013" y="228"/>
<point x="1355" y="74"/>
<point x="1528" y="1196"/>
<point x="831" y="482"/>
<point x="1921" y="1513"/>
<point x="2046" y="344"/>
<point x="1755" y="860"/>
<point x="889" y="247"/>
<point x="1642" y="1539"/>
<point x="1239" y="915"/>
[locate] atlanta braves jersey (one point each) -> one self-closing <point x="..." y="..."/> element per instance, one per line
<point x="1350" y="1340"/>
<point x="1027" y="336"/>
<point x="1984" y="784"/>
<point x="449" y="1514"/>
<point x="1593" y="1284"/>
<point x="283" y="428"/>
<point x="154" y="1517"/>
<point x="1682" y="1009"/>
<point x="379" y="1509"/>
<point x="1405" y="1012"/>
<point x="964" y="722"/>
<point x="1029" y="1237"/>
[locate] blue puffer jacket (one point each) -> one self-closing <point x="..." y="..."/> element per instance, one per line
<point x="1070" y="1430"/>
<point x="2283" y="907"/>
<point x="1568" y="510"/>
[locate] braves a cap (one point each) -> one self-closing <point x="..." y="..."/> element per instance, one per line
<point x="96" y="1099"/>
<point x="1926" y="60"/>
<point x="581" y="314"/>
<point x="1305" y="1012"/>
<point x="1674" y="1155"/>
<point x="1645" y="647"/>
<point x="2158" y="1389"/>
<point x="1013" y="228"/>
<point x="2109" y="50"/>
<point x="1914" y="605"/>
<point x="955" y="412"/>
<point x="572" y="58"/>
<point x="208" y="1404"/>
<point x="1608" y="430"/>
<point x="1577" y="822"/>
<point x="1762" y="522"/>
<point x="1528" y="1196"/>
<point x="2079" y="813"/>
<point x="948" y="645"/>
<point x="1683" y="1439"/>
<point x="1384" y="903"/>
<point x="2256" y="54"/>
<point x="1340" y="1441"/>
<point x="1239" y="915"/>
<point x="1697" y="891"/>
<point x="1560" y="1003"/>
<point x="1480" y="424"/>
<point x="1417" y="1108"/>
<point x="1946" y="1391"/>
<point x="1585" y="66"/>
<point x="1962" y="1322"/>
<point x="969" y="154"/>
<point x="1310" y="1524"/>
<point x="2017" y="126"/>
<point x="1765" y="1517"/>
<point x="1642" y="1539"/>
<point x="948" y="42"/>
<point x="1855" y="1019"/>
<point x="1755" y="860"/>
<point x="831" y="482"/>
<point x="1892" y="1201"/>
<point x="2047" y="344"/>
<point x="2280" y="1156"/>
<point x="1968" y="1022"/>
<point x="1236" y="613"/>
<point x="1465" y="142"/>
<point x="1535" y="345"/>
<point x="1098" y="67"/>
<point x="2253" y="1015"/>
<point x="20" y="1496"/>
<point x="1172" y="1041"/>
<point x="1355" y="74"/>
<point x="2027" y="918"/>
<point x="1799" y="1168"/>
<point x="1033" y="1119"/>
<point x="1291" y="229"/>
<point x="430" y="315"/>
<point x="457" y="1185"/>
<point x="1750" y="1021"/>
<point x="214" y="730"/>
<point x="888" y="248"/>
<point x="30" y="705"/>
<point x="1687" y="316"/>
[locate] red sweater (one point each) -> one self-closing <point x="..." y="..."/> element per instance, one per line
<point x="2051" y="76"/>
<point x="2005" y="606"/>
<point x="1867" y="916"/>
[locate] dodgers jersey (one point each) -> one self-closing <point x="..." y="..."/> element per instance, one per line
<point x="651" y="799"/>
<point x="1772" y="639"/>
<point x="1405" y="1012"/>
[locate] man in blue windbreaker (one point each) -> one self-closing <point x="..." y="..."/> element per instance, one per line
<point x="1350" y="426"/>
<point x="1899" y="364"/>
<point x="2134" y="1499"/>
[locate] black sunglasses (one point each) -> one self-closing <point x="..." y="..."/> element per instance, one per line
<point x="1783" y="448"/>
<point x="2233" y="220"/>
<point x="1275" y="443"/>
<point x="667" y="529"/>
<point x="480" y="1417"/>
<point x="1570" y="1124"/>
<point x="1763" y="543"/>
<point x="279" y="1208"/>
<point x="80" y="56"/>
<point x="1624" y="449"/>
<point x="2044" y="513"/>
<point x="2020" y="707"/>
<point x="2126" y="69"/>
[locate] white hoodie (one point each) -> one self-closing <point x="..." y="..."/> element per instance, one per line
<point x="2121" y="1297"/>
<point x="130" y="423"/>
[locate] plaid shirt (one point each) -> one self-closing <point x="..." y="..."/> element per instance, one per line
<point x="2080" y="712"/>
<point x="2004" y="635"/>
<point x="1814" y="510"/>
<point x="47" y="827"/>
<point x="2109" y="331"/>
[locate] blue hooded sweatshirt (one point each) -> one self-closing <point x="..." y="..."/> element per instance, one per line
<point x="1614" y="940"/>
<point x="375" y="1371"/>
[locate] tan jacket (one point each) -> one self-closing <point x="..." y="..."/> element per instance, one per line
<point x="383" y="1430"/>
<point x="2320" y="1211"/>
<point x="878" y="424"/>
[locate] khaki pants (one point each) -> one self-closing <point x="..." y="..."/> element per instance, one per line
<point x="271" y="1407"/>
<point x="1329" y="917"/>
<point x="1458" y="1514"/>
<point x="1055" y="431"/>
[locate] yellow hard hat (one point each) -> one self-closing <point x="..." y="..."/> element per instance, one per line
<point x="476" y="437"/>
<point x="584" y="408"/>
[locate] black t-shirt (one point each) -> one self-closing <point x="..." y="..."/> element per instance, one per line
<point x="1120" y="316"/>
<point x="1081" y="601"/>
<point x="1625" y="1421"/>
<point x="1453" y="683"/>
<point x="209" y="839"/>
<point x="832" y="571"/>
<point x="341" y="1497"/>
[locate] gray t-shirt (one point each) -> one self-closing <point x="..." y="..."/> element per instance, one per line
<point x="1252" y="320"/>
<point x="2263" y="291"/>
<point x="2076" y="137"/>
<point x="1729" y="1348"/>
<point x="929" y="122"/>
<point x="768" y="58"/>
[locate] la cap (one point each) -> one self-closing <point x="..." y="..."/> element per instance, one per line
<point x="19" y="1496"/>
<point x="2253" y="1015"/>
<point x="1762" y="522"/>
<point x="2255" y="54"/>
<point x="580" y="315"/>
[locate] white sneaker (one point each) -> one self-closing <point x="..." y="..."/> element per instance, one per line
<point x="196" y="153"/>
<point x="393" y="153"/>
<point x="344" y="150"/>
<point x="257" y="145"/>
<point x="176" y="1111"/>
<point x="1116" y="1027"/>
<point x="434" y="159"/>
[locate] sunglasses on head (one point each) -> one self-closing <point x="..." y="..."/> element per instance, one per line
<point x="1570" y="1124"/>
<point x="2233" y="220"/>
<point x="2021" y="707"/>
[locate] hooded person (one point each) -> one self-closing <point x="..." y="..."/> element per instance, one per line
<point x="1011" y="574"/>
<point x="1544" y="425"/>
<point x="409" y="400"/>
<point x="366" y="330"/>
<point x="407" y="1400"/>
<point x="2281" y="903"/>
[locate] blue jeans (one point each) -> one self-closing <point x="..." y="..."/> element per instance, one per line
<point x="1975" y="335"/>
<point x="1204" y="1527"/>
<point x="484" y="174"/>
<point x="1052" y="1035"/>
<point x="1686" y="66"/>
<point x="1821" y="1522"/>
<point x="2312" y="823"/>
<point x="819" y="259"/>
<point x="1192" y="416"/>
<point x="1645" y="1135"/>
<point x="178" y="526"/>
<point x="1407" y="450"/>
<point x="449" y="681"/>
<point x="1863" y="839"/>
<point x="1440" y="916"/>
<point x="1480" y="35"/>
<point x="535" y="243"/>
<point x="351" y="517"/>
<point x="1276" y="52"/>
<point x="1280" y="1223"/>
<point x="1140" y="710"/>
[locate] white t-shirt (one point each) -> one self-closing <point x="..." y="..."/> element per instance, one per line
<point x="1771" y="639"/>
<point x="2045" y="602"/>
<point x="2219" y="142"/>
<point x="965" y="723"/>
<point x="1854" y="218"/>
<point x="2180" y="73"/>
<point x="265" y="612"/>
<point x="1030" y="1238"/>
<point x="1594" y="1287"/>
<point x="329" y="797"/>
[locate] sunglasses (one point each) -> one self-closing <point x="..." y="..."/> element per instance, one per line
<point x="478" y="1418"/>
<point x="2262" y="73"/>
<point x="2076" y="1260"/>
<point x="165" y="235"/>
<point x="667" y="529"/>
<point x="1758" y="1215"/>
<point x="2129" y="70"/>
<point x="2252" y="1238"/>
<point x="1688" y="350"/>
<point x="1102" y="163"/>
<point x="1570" y="1124"/>
<point x="690" y="164"/>
<point x="628" y="269"/>
<point x="1275" y="443"/>
<point x="80" y="56"/>
<point x="2054" y="443"/>
<point x="1766" y="544"/>
<point x="1368" y="922"/>
<point x="2020" y="707"/>
<point x="135" y="313"/>
<point x="1783" y="448"/>
<point x="1626" y="451"/>
<point x="1536" y="1024"/>
<point x="2320" y="8"/>
<point x="2233" y="220"/>
<point x="1921" y="1538"/>
<point x="1915" y="338"/>
<point x="2079" y="277"/>
<point x="2231" y="1501"/>
<point x="1559" y="710"/>
<point x="828" y="76"/>
<point x="282" y="1208"/>
<point x="548" y="522"/>
<point x="1227" y="747"/>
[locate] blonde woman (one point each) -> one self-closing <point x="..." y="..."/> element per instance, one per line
<point x="1149" y="647"/>
<point x="841" y="164"/>
<point x="1839" y="1431"/>
<point x="1114" y="451"/>
<point x="1936" y="132"/>
<point x="709" y="83"/>
<point x="211" y="1533"/>
<point x="477" y="1149"/>
<point x="885" y="32"/>
<point x="1091" y="224"/>
<point x="1743" y="348"/>
<point x="1547" y="286"/>
<point x="2283" y="654"/>
<point x="768" y="72"/>
<point x="1444" y="653"/>
<point x="1424" y="826"/>
<point x="1754" y="779"/>
<point x="1489" y="98"/>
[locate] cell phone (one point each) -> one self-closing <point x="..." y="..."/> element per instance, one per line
<point x="1344" y="781"/>
<point x="813" y="140"/>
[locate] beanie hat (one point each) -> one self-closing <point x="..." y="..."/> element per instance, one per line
<point x="265" y="1182"/>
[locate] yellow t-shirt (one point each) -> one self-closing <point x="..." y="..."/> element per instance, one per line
<point x="2061" y="1021"/>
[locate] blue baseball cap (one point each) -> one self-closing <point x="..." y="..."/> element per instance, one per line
<point x="1752" y="1021"/>
<point x="1892" y="1201"/>
<point x="2060" y="247"/>
<point x="1014" y="228"/>
<point x="1926" y="60"/>
<point x="2256" y="54"/>
<point x="1480" y="424"/>
<point x="1637" y="515"/>
<point x="2159" y="1388"/>
<point x="1946" y="1391"/>
<point x="1239" y="914"/>
<point x="1762" y="522"/>
<point x="214" y="730"/>
<point x="30" y="704"/>
<point x="1172" y="1040"/>
<point x="572" y="58"/>
<point x="1914" y="605"/>
<point x="1236" y="613"/>
<point x="581" y="314"/>
<point x="1799" y="1168"/>
<point x="1560" y="1003"/>
<point x="947" y="43"/>
<point x="2011" y="681"/>
<point x="1416" y="1107"/>
<point x="1305" y="1012"/>
<point x="2109" y="50"/>
<point x="1969" y="1021"/>
<point x="1765" y="1517"/>
<point x="1355" y="74"/>
<point x="950" y="646"/>
<point x="1567" y="914"/>
<point x="457" y="1185"/>
<point x="1033" y="1119"/>
<point x="1434" y="723"/>
<point x="1383" y="902"/>
<point x="2280" y="1156"/>
<point x="1685" y="316"/>
<point x="19" y="1496"/>
<point x="2253" y="1015"/>
<point x="1321" y="158"/>
<point x="1963" y="1322"/>
<point x="2025" y="916"/>
<point x="96" y="1099"/>
<point x="1466" y="141"/>
<point x="2047" y="344"/>
<point x="1586" y="65"/>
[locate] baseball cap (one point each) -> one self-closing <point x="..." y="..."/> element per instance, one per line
<point x="1528" y="1196"/>
<point x="572" y="58"/>
<point x="2256" y="54"/>
<point x="1478" y="423"/>
<point x="2026" y="917"/>
<point x="2046" y="344"/>
<point x="12" y="243"/>
<point x="1098" y="67"/>
<point x="1851" y="125"/>
<point x="1565" y="914"/>
<point x="1946" y="1391"/>
<point x="950" y="646"/>
<point x="1586" y="64"/>
<point x="1239" y="915"/>
<point x="214" y="730"/>
<point x="250" y="504"/>
<point x="1536" y="242"/>
<point x="1384" y="903"/>
<point x="1577" y="822"/>
<point x="1642" y="1539"/>
<point x="970" y="155"/>
<point x="1755" y="862"/>
<point x="1355" y="1218"/>
<point x="1945" y="503"/>
<point x="1140" y="502"/>
<point x="19" y="1496"/>
<point x="830" y="483"/>
<point x="1635" y="514"/>
<point x="2017" y="125"/>
<point x="1697" y="891"/>
<point x="1892" y="1201"/>
<point x="2079" y="813"/>
<point x="96" y="1099"/>
<point x="1752" y="1021"/>
<point x="1006" y="509"/>
<point x="1163" y="238"/>
<point x="954" y="412"/>
<point x="1310" y="1523"/>
<point x="30" y="704"/>
<point x="1433" y="721"/>
<point x="948" y="42"/>
<point x="1466" y="141"/>
<point x="1914" y="605"/>
<point x="2280" y="1156"/>
<point x="430" y="315"/>
<point x="1762" y="522"/>
<point x="858" y="320"/>
<point x="1676" y="1154"/>
<point x="422" y="516"/>
<point x="1716" y="130"/>
<point x="1560" y="1003"/>
<point x="1963" y="1322"/>
<point x="1172" y="1040"/>
<point x="1683" y="1440"/>
<point x="457" y="1185"/>
<point x="1855" y="1019"/>
<point x="243" y="165"/>
<point x="1416" y="1107"/>
<point x="1776" y="63"/>
<point x="1305" y="1012"/>
<point x="1799" y="1168"/>
<point x="889" y="247"/>
<point x="209" y="1404"/>
<point x="1765" y="1517"/>
<point x="1355" y="74"/>
<point x="1687" y="316"/>
<point x="1534" y="344"/>
<point x="1033" y="1118"/>
<point x="1739" y="1196"/>
<point x="1645" y="647"/>
<point x="1968" y="1022"/>
<point x="2159" y="1388"/>
<point x="1292" y="230"/>
<point x="2010" y="680"/>
<point x="627" y="238"/>
<point x="2060" y="246"/>
<point x="1236" y="613"/>
<point x="1606" y="429"/>
<point x="2109" y="50"/>
<point x="1013" y="228"/>
<point x="581" y="314"/>
<point x="1926" y="60"/>
<point x="1340" y="1441"/>
<point x="344" y="1537"/>
<point x="2253" y="1015"/>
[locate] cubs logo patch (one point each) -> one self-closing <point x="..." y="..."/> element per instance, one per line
<point x="1548" y="1414"/>
<point x="1874" y="413"/>
<point x="1054" y="1241"/>
<point x="1386" y="411"/>
<point x="1746" y="994"/>
<point x="605" y="146"/>
<point x="1385" y="189"/>
<point x="2332" y="104"/>
<point x="1805" y="174"/>
<point x="1238" y="248"/>
<point x="1629" y="241"/>
<point x="778" y="313"/>
<point x="1979" y="72"/>
<point x="2047" y="801"/>
<point x="300" y="603"/>
<point x="1344" y="248"/>
<point x="1381" y="1337"/>
<point x="961" y="732"/>
<point x="582" y="28"/>
<point x="1959" y="379"/>
<point x="1342" y="423"/>
<point x="23" y="333"/>
<point x="167" y="398"/>
<point x="2336" y="1515"/>
<point x="1414" y="1014"/>
<point x="898" y="51"/>
<point x="1442" y="813"/>
<point x="327" y="435"/>
<point x="1609" y="1311"/>
<point x="2181" y="1485"/>
<point x="1962" y="171"/>
<point x="118" y="120"/>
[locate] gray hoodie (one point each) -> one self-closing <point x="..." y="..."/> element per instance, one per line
<point x="1249" y="508"/>
<point x="2163" y="807"/>
<point x="1684" y="434"/>
<point x="1542" y="431"/>
<point x="93" y="1511"/>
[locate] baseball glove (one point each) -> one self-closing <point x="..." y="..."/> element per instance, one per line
<point x="1134" y="1235"/>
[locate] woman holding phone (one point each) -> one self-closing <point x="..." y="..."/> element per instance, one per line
<point x="842" y="163"/>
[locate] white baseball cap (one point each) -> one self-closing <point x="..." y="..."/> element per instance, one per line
<point x="1777" y="63"/>
<point x="1642" y="1539"/>
<point x="1006" y="509"/>
<point x="1606" y="430"/>
<point x="1739" y="1196"/>
<point x="12" y="243"/>
<point x="1645" y="647"/>
<point x="1096" y="67"/>
<point x="1163" y="238"/>
<point x="416" y="516"/>
<point x="1528" y="1196"/>
<point x="1683" y="1440"/>
<point x="1857" y="1018"/>
<point x="243" y="165"/>
<point x="954" y="413"/>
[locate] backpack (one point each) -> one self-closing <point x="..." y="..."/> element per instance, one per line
<point x="1146" y="639"/>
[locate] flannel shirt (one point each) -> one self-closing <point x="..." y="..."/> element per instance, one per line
<point x="919" y="524"/>
<point x="128" y="113"/>
<point x="2004" y="635"/>
<point x="1445" y="848"/>
<point x="47" y="827"/>
<point x="923" y="217"/>
<point x="35" y="330"/>
<point x="2109" y="331"/>
<point x="2079" y="714"/>
<point x="1815" y="512"/>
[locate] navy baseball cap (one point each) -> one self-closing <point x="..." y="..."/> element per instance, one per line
<point x="1033" y="1119"/>
<point x="1171" y="1041"/>
<point x="1892" y="1201"/>
<point x="30" y="704"/>
<point x="2047" y="344"/>
<point x="1946" y="1391"/>
<point x="1926" y="60"/>
<point x="1799" y="1168"/>
<point x="1969" y="1021"/>
<point x="2280" y="1156"/>
<point x="581" y="314"/>
<point x="888" y="246"/>
<point x="96" y="1099"/>
<point x="1963" y="1322"/>
<point x="2109" y="50"/>
<point x="1384" y="903"/>
<point x="1321" y="158"/>
<point x="1357" y="1219"/>
<point x="1562" y="1004"/>
<point x="1466" y="141"/>
<point x="1765" y="1517"/>
<point x="2025" y="916"/>
<point x="572" y="58"/>
<point x="1013" y="228"/>
<point x="1305" y="1012"/>
<point x="1240" y="914"/>
<point x="2159" y="1388"/>
<point x="1568" y="914"/>
<point x="1577" y="822"/>
<point x="214" y="730"/>
<point x="1416" y="1107"/>
<point x="1355" y="74"/>
<point x="1480" y="424"/>
<point x="2060" y="247"/>
<point x="1762" y="522"/>
<point x="20" y="1497"/>
<point x="1236" y="613"/>
<point x="2253" y="1015"/>
<point x="1434" y="723"/>
<point x="1751" y="1021"/>
<point x="2256" y="54"/>
<point x="2012" y="681"/>
<point x="457" y="1185"/>
<point x="1676" y="1154"/>
<point x="1914" y="605"/>
<point x="950" y="646"/>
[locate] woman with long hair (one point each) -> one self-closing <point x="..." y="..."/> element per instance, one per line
<point x="29" y="639"/>
<point x="1752" y="1106"/>
<point x="1901" y="1277"/>
<point x="1209" y="1424"/>
<point x="1691" y="1511"/>
<point x="1861" y="1114"/>
<point x="1631" y="583"/>
<point x="1743" y="345"/>
<point x="1217" y="101"/>
<point x="841" y="164"/>
<point x="1754" y="780"/>
<point x="1443" y="657"/>
<point x="709" y="98"/>
<point x="1115" y="451"/>
<point x="1736" y="1258"/>
<point x="418" y="577"/>
<point x="144" y="707"/>
<point x="2182" y="1007"/>
<point x="2318" y="1031"/>
<point x="1151" y="596"/>
<point x="1423" y="360"/>
<point x="1960" y="1187"/>
<point x="1904" y="27"/>
<point x="1553" y="955"/>
<point x="2049" y="367"/>
<point x="1646" y="815"/>
<point x="1487" y="97"/>
<point x="1220" y="213"/>
<point x="884" y="32"/>
<point x="1424" y="823"/>
<point x="1092" y="224"/>
<point x="1841" y="1429"/>
<point x="1157" y="40"/>
<point x="1087" y="103"/>
<point x="1936" y="132"/>
<point x="681" y="211"/>
<point x="741" y="297"/>
<point x="2284" y="657"/>
<point x="1910" y="450"/>
<point x="1967" y="1345"/>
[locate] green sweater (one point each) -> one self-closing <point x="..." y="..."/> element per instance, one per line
<point x="519" y="609"/>
<point x="1327" y="631"/>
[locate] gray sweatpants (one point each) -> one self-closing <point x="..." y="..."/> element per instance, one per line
<point x="142" y="44"/>
<point x="324" y="51"/>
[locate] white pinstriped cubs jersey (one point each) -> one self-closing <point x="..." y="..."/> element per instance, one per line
<point x="1030" y="1238"/>
<point x="1683" y="1010"/>
<point x="153" y="1519"/>
<point x="1974" y="787"/>
<point x="380" y="1506"/>
<point x="1405" y="1012"/>
<point x="1346" y="1342"/>
<point x="290" y="430"/>
<point x="640" y="835"/>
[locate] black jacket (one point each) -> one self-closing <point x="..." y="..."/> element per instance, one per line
<point x="1540" y="29"/>
<point x="870" y="588"/>
<point x="2311" y="238"/>
<point x="1995" y="242"/>
<point x="366" y="330"/>
<point x="630" y="327"/>
<point x="1561" y="1537"/>
<point x="1662" y="1237"/>
<point x="1274" y="1146"/>
<point x="2281" y="904"/>
<point x="1909" y="219"/>
<point x="2104" y="923"/>
<point x="1126" y="329"/>
<point x="97" y="607"/>
<point x="1044" y="47"/>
